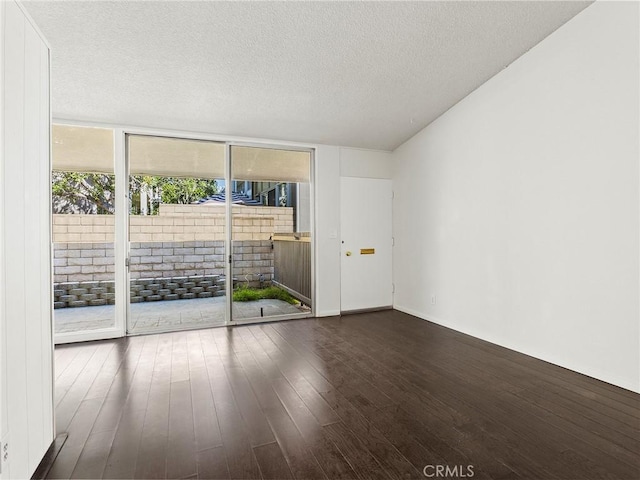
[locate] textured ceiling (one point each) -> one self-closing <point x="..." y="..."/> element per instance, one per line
<point x="356" y="74"/>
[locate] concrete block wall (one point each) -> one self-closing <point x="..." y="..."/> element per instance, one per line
<point x="177" y="223"/>
<point x="176" y="259"/>
<point x="84" y="294"/>
<point x="83" y="228"/>
<point x="84" y="272"/>
<point x="83" y="262"/>
<point x="181" y="243"/>
<point x="90" y="262"/>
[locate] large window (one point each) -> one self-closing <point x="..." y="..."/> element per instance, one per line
<point x="83" y="206"/>
<point x="271" y="238"/>
<point x="202" y="233"/>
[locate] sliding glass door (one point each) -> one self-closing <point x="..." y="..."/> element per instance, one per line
<point x="184" y="267"/>
<point x="176" y="257"/>
<point x="269" y="197"/>
<point x="153" y="233"/>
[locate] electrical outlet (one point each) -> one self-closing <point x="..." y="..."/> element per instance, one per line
<point x="433" y="300"/>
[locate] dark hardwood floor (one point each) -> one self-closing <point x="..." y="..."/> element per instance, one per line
<point x="376" y="395"/>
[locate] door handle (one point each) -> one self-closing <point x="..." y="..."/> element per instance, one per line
<point x="348" y="254"/>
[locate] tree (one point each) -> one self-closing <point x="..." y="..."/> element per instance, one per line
<point x="167" y="190"/>
<point x="94" y="193"/>
<point x="74" y="192"/>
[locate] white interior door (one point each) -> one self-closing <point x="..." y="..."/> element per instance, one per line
<point x="365" y="225"/>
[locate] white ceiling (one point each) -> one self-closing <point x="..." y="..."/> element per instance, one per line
<point x="356" y="74"/>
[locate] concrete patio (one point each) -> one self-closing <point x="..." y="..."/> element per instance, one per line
<point x="169" y="315"/>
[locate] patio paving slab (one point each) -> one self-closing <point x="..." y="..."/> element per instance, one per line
<point x="164" y="315"/>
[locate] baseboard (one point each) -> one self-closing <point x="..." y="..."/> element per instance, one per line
<point x="49" y="457"/>
<point x="621" y="383"/>
<point x="366" y="310"/>
<point x="328" y="313"/>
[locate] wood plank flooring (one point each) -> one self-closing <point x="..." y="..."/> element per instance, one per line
<point x="368" y="396"/>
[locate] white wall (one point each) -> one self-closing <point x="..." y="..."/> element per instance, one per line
<point x="333" y="162"/>
<point x="519" y="208"/>
<point x="358" y="162"/>
<point x="327" y="202"/>
<point x="26" y="421"/>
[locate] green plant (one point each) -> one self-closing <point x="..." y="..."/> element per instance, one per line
<point x="248" y="294"/>
<point x="91" y="193"/>
<point x="169" y="190"/>
<point x="244" y="294"/>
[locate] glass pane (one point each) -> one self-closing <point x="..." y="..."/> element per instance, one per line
<point x="83" y="231"/>
<point x="176" y="233"/>
<point x="175" y="157"/>
<point x="259" y="164"/>
<point x="271" y="239"/>
<point x="82" y="149"/>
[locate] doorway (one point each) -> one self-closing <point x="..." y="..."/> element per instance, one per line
<point x="366" y="244"/>
<point x="176" y="244"/>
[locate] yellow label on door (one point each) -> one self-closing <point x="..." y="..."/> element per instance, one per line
<point x="367" y="251"/>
